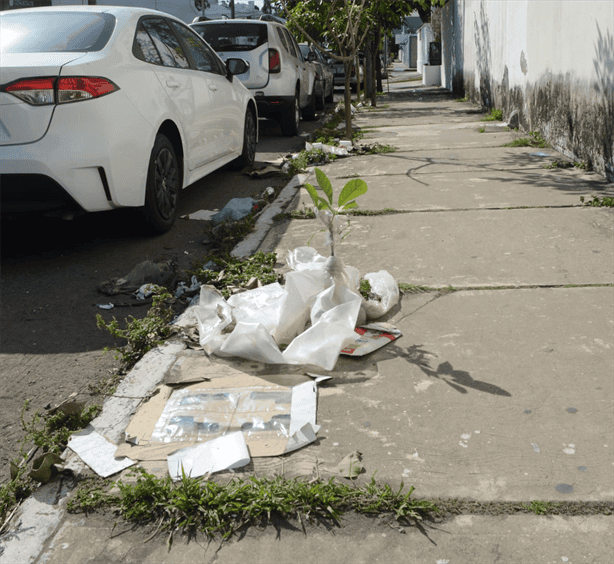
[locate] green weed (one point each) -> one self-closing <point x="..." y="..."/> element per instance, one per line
<point x="559" y="164"/>
<point x="192" y="504"/>
<point x="536" y="140"/>
<point x="482" y="129"/>
<point x="596" y="202"/>
<point x="463" y="99"/>
<point x="141" y="335"/>
<point x="232" y="272"/>
<point x="495" y="115"/>
<point x="305" y="158"/>
<point x="540" y="507"/>
<point x="365" y="288"/>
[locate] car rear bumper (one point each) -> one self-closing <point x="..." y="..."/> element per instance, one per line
<point x="269" y="106"/>
<point x="97" y="165"/>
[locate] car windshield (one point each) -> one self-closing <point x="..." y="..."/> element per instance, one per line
<point x="46" y="32"/>
<point x="233" y="36"/>
<point x="305" y="50"/>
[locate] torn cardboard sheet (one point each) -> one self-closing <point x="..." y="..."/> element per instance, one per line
<point x="273" y="415"/>
<point x="98" y="453"/>
<point x="371" y="337"/>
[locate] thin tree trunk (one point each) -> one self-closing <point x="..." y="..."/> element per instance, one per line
<point x="348" y="101"/>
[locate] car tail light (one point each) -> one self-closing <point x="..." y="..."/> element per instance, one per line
<point x="35" y="91"/>
<point x="52" y="90"/>
<point x="274" y="61"/>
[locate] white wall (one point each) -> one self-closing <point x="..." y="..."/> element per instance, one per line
<point x="552" y="60"/>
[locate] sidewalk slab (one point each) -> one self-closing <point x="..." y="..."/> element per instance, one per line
<point x="446" y="191"/>
<point x="432" y="161"/>
<point x="500" y="395"/>
<point x="465" y="539"/>
<point x="468" y="248"/>
<point x="441" y="136"/>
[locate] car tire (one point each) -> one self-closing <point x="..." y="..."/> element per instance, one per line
<point x="248" y="156"/>
<point x="291" y="118"/>
<point x="309" y="111"/>
<point x="163" y="186"/>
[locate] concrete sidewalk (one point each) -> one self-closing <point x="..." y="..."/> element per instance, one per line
<point x="501" y="388"/>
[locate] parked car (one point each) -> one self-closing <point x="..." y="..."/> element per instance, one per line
<point x="106" y="107"/>
<point x="325" y="79"/>
<point x="339" y="73"/>
<point x="280" y="78"/>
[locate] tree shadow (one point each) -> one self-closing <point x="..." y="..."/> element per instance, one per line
<point x="460" y="380"/>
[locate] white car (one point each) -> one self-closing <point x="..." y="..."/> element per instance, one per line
<point x="104" y="107"/>
<point x="281" y="79"/>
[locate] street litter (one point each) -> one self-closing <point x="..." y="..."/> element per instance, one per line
<point x="183" y="288"/>
<point x="351" y="465"/>
<point x="97" y="452"/>
<point x="146" y="291"/>
<point x="145" y="272"/>
<point x="202" y="215"/>
<point x="540" y="154"/>
<point x="314" y="313"/>
<point x="197" y="427"/>
<point x="235" y="209"/>
<point x="106" y="306"/>
<point x="329" y="149"/>
<point x="370" y="338"/>
<point x="265" y="172"/>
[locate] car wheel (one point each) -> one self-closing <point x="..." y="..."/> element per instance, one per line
<point x="248" y="156"/>
<point x="309" y="111"/>
<point x="291" y="118"/>
<point x="163" y="186"/>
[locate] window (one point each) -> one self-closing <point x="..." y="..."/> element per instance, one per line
<point x="293" y="50"/>
<point x="55" y="32"/>
<point x="144" y="48"/>
<point x="204" y="59"/>
<point x="168" y="46"/>
<point x="233" y="36"/>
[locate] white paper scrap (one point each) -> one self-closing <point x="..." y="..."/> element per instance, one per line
<point x="98" y="453"/>
<point x="225" y="452"/>
<point x="304" y="436"/>
<point x="303" y="407"/>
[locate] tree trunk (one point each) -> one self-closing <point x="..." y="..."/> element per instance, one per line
<point x="357" y="73"/>
<point x="369" y="86"/>
<point x="348" y="101"/>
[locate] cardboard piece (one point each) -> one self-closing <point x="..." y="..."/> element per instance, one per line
<point x="276" y="413"/>
<point x="371" y="337"/>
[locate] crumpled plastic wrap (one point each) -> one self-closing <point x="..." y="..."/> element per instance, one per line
<point x="314" y="314"/>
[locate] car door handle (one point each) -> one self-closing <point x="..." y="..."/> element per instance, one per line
<point x="212" y="86"/>
<point x="172" y="84"/>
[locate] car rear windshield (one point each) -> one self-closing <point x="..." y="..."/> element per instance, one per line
<point x="233" y="36"/>
<point x="46" y="32"/>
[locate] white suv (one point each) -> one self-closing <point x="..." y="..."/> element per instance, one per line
<point x="278" y="76"/>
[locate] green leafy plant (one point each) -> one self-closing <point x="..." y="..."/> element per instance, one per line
<point x="323" y="207"/>
<point x="193" y="504"/>
<point x="482" y="129"/>
<point x="141" y="335"/>
<point x="305" y="158"/>
<point x="559" y="164"/>
<point x="536" y="140"/>
<point x="494" y="115"/>
<point x="540" y="507"/>
<point x="596" y="202"/>
<point x="463" y="99"/>
<point x="380" y="149"/>
<point x="236" y="272"/>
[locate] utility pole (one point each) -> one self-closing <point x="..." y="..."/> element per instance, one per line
<point x="232" y="9"/>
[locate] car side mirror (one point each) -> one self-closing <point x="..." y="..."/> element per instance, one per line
<point x="236" y="66"/>
<point x="311" y="57"/>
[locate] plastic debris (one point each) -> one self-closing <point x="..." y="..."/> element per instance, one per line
<point x="351" y="466"/>
<point x="183" y="288"/>
<point x="106" y="306"/>
<point x="146" y="290"/>
<point x="235" y="209"/>
<point x="148" y="271"/>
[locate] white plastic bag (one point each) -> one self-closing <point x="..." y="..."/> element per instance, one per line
<point x="384" y="286"/>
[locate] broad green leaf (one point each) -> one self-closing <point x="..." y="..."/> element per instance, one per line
<point x="352" y="190"/>
<point x="324" y="205"/>
<point x="325" y="184"/>
<point x="350" y="205"/>
<point x="313" y="193"/>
